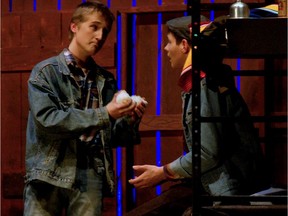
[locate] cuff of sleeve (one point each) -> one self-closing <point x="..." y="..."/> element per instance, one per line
<point x="168" y="174"/>
<point x="103" y="116"/>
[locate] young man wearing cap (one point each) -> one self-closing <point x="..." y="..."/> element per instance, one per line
<point x="229" y="150"/>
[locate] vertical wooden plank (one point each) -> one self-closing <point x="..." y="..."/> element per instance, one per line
<point x="11" y="117"/>
<point x="22" y="6"/>
<point x="173" y="2"/>
<point x="65" y="22"/>
<point x="30" y="29"/>
<point x="123" y="31"/>
<point x="44" y="5"/>
<point x="17" y="6"/>
<point x="28" y="5"/>
<point x="150" y="3"/>
<point x="11" y="207"/>
<point x="171" y="91"/>
<point x="10" y="30"/>
<point x="50" y="28"/>
<point x="5" y="6"/>
<point x="121" y="3"/>
<point x="146" y="58"/>
<point x="70" y="5"/>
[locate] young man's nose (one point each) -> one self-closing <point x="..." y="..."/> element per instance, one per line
<point x="165" y="48"/>
<point x="99" y="34"/>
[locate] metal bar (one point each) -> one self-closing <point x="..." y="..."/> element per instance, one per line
<point x="193" y="8"/>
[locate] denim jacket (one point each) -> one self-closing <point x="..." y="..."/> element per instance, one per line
<point x="55" y="123"/>
<point x="230" y="152"/>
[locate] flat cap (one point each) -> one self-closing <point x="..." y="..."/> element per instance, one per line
<point x="180" y="26"/>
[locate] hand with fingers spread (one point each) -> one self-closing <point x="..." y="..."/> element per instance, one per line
<point x="150" y="176"/>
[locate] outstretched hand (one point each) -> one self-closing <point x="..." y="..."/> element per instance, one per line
<point x="150" y="176"/>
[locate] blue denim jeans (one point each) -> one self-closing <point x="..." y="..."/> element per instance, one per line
<point x="85" y="199"/>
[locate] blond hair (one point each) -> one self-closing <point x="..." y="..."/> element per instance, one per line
<point x="89" y="7"/>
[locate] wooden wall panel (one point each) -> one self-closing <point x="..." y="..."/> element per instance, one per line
<point x="27" y="5"/>
<point x="146" y="65"/>
<point x="121" y="4"/>
<point x="21" y="6"/>
<point x="173" y="2"/>
<point x="50" y="29"/>
<point x="31" y="30"/>
<point x="30" y="36"/>
<point x="4" y="7"/>
<point x="171" y="93"/>
<point x="69" y="5"/>
<point x="12" y="207"/>
<point x="43" y="5"/>
<point x="12" y="156"/>
<point x="150" y="3"/>
<point x="10" y="30"/>
<point x="65" y="20"/>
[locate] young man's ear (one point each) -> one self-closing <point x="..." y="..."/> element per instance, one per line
<point x="185" y="48"/>
<point x="73" y="27"/>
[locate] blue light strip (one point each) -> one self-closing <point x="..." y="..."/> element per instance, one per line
<point x="159" y="68"/>
<point x="119" y="49"/>
<point x="119" y="150"/>
<point x="34" y="5"/>
<point x="10" y="5"/>
<point x="212" y="12"/>
<point x="133" y="91"/>
<point x="158" y="157"/>
<point x="238" y="78"/>
<point x="158" y="94"/>
<point x="119" y="181"/>
<point x="212" y="15"/>
<point x="185" y="12"/>
<point x="59" y="5"/>
<point x="133" y="53"/>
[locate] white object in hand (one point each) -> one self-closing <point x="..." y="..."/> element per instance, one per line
<point x="138" y="99"/>
<point x="123" y="97"/>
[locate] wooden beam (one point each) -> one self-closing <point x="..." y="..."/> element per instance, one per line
<point x="163" y="122"/>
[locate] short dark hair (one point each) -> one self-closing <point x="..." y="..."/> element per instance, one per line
<point x="89" y="7"/>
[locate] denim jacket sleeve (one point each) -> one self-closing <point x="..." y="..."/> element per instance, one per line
<point x="209" y="134"/>
<point x="53" y="103"/>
